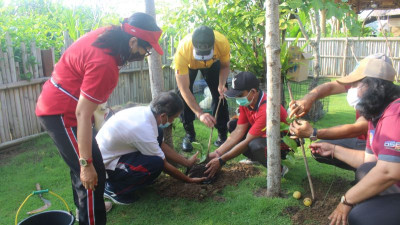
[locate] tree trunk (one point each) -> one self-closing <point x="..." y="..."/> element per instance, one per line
<point x="155" y="64"/>
<point x="156" y="73"/>
<point x="323" y="22"/>
<point x="273" y="84"/>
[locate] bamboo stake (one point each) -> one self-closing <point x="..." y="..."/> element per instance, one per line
<point x="212" y="129"/>
<point x="303" y="151"/>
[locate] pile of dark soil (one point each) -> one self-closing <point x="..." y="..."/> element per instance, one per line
<point x="323" y="206"/>
<point x="230" y="174"/>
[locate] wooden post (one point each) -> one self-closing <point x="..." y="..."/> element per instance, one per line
<point x="273" y="84"/>
<point x="346" y="43"/>
<point x="35" y="67"/>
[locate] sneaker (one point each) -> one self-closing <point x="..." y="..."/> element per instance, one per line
<point x="119" y="200"/>
<point x="221" y="139"/>
<point x="284" y="171"/>
<point x="219" y="142"/>
<point x="248" y="162"/>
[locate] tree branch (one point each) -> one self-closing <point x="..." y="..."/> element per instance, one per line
<point x="303" y="30"/>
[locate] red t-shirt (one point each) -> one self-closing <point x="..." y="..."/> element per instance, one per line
<point x="363" y="136"/>
<point x="384" y="139"/>
<point x="257" y="117"/>
<point x="82" y="70"/>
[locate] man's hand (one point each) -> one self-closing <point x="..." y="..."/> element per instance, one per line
<point x="322" y="148"/>
<point x="196" y="179"/>
<point x="89" y="177"/>
<point x="299" y="108"/>
<point x="221" y="90"/>
<point x="339" y="215"/>
<point x="301" y="129"/>
<point x="213" y="166"/>
<point x="207" y="119"/>
<point x="213" y="155"/>
<point x="192" y="160"/>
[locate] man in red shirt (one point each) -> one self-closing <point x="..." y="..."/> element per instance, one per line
<point x="84" y="77"/>
<point x="248" y="138"/>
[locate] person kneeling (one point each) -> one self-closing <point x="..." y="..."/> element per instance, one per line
<point x="376" y="196"/>
<point x="248" y="138"/>
<point x="134" y="154"/>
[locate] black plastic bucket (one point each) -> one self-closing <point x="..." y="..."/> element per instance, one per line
<point x="52" y="217"/>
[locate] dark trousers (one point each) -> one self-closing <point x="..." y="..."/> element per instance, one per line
<point x="211" y="76"/>
<point x="257" y="149"/>
<point x="352" y="143"/>
<point x="381" y="209"/>
<point x="134" y="171"/>
<point x="90" y="203"/>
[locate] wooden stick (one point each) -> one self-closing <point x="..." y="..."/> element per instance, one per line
<point x="303" y="151"/>
<point x="212" y="128"/>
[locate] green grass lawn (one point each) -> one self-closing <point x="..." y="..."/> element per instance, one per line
<point x="40" y="162"/>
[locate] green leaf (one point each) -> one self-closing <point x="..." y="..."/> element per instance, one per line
<point x="284" y="126"/>
<point x="199" y="147"/>
<point x="290" y="159"/>
<point x="290" y="142"/>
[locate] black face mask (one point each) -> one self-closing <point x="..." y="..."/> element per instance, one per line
<point x="136" y="57"/>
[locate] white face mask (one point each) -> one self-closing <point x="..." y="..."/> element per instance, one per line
<point x="352" y="97"/>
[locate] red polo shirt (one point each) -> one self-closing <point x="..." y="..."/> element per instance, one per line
<point x="257" y="117"/>
<point x="82" y="70"/>
<point x="384" y="139"/>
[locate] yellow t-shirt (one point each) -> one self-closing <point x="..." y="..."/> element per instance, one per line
<point x="183" y="58"/>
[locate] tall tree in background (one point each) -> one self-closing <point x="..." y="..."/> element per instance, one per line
<point x="273" y="83"/>
<point x="155" y="64"/>
<point x="156" y="73"/>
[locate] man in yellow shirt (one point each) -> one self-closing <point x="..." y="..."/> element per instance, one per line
<point x="208" y="51"/>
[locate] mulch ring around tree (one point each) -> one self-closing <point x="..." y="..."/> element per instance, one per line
<point x="323" y="206"/>
<point x="231" y="174"/>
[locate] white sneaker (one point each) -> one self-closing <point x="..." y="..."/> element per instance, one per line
<point x="248" y="162"/>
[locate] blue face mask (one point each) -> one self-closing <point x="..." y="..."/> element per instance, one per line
<point x="243" y="101"/>
<point x="163" y="126"/>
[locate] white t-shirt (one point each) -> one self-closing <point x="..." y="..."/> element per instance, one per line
<point x="130" y="130"/>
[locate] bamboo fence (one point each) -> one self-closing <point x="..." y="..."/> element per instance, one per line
<point x="339" y="56"/>
<point x="18" y="96"/>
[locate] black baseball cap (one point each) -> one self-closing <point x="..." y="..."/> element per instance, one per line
<point x="203" y="43"/>
<point x="243" y="81"/>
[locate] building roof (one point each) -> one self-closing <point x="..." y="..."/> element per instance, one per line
<point x="360" y="5"/>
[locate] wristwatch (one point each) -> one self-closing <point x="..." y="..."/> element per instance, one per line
<point x="221" y="161"/>
<point x="85" y="162"/>
<point x="343" y="200"/>
<point x="313" y="136"/>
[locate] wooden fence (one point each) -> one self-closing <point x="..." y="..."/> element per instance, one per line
<point x="18" y="96"/>
<point x="339" y="55"/>
<point x="21" y="79"/>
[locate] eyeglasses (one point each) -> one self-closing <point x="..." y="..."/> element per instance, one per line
<point x="147" y="52"/>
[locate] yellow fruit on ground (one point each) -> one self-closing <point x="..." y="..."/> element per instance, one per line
<point x="307" y="201"/>
<point x="297" y="194"/>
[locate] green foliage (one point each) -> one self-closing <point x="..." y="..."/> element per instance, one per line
<point x="197" y="146"/>
<point x="241" y="21"/>
<point x="44" y="21"/>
